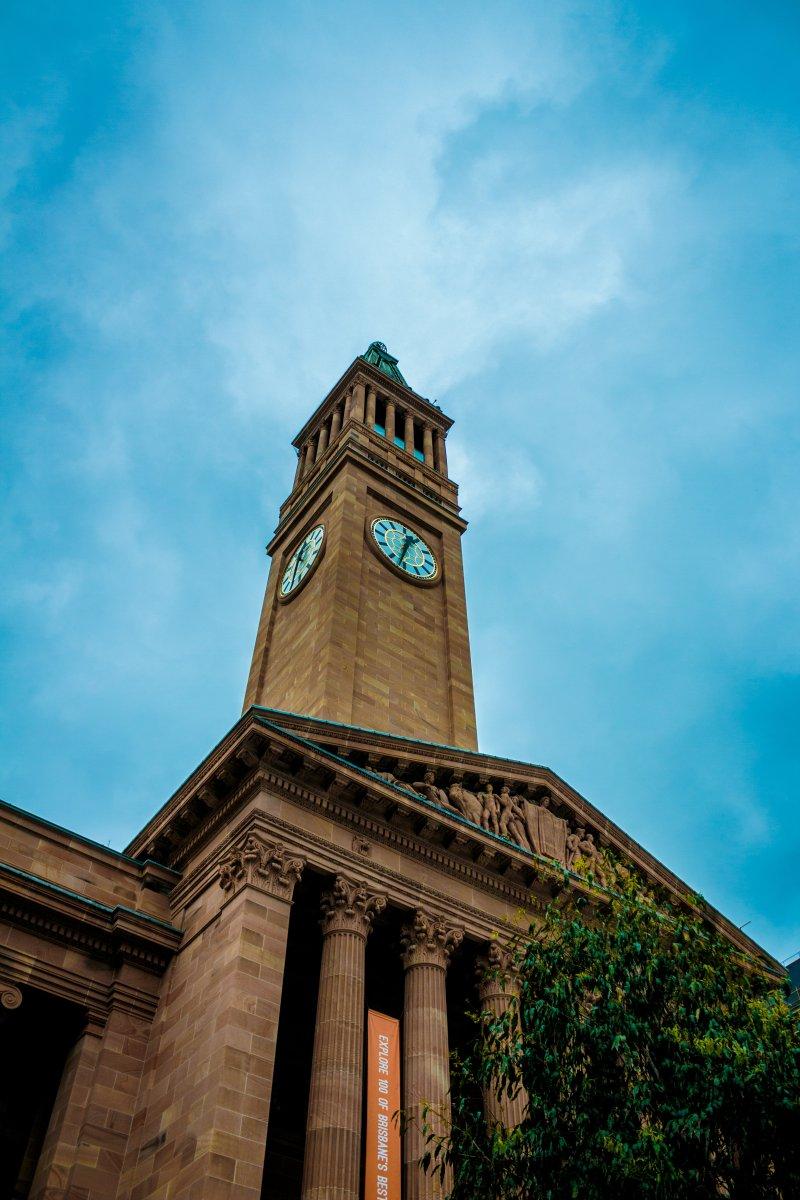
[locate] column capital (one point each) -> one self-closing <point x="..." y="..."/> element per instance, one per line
<point x="497" y="971"/>
<point x="350" y="907"/>
<point x="263" y="864"/>
<point x="427" y="941"/>
<point x="10" y="995"/>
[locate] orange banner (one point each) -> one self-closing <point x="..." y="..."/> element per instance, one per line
<point x="382" y="1164"/>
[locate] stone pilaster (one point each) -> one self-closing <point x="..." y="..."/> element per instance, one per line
<point x="333" y="1131"/>
<point x="200" y="1127"/>
<point x="427" y="946"/>
<point x="357" y="410"/>
<point x="441" y="454"/>
<point x="498" y="988"/>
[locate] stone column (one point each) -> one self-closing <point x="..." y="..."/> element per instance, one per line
<point x="357" y="411"/>
<point x="390" y="422"/>
<point x="308" y="450"/>
<point x="427" y="946"/>
<point x="498" y="986"/>
<point x="348" y="404"/>
<point x="333" y="1130"/>
<point x="409" y="438"/>
<point x="427" y="445"/>
<point x="322" y="443"/>
<point x="441" y="454"/>
<point x="301" y="457"/>
<point x="371" y="399"/>
<point x="336" y="423"/>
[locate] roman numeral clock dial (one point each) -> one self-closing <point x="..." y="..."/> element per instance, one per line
<point x="404" y="550"/>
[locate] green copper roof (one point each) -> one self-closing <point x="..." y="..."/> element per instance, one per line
<point x="377" y="354"/>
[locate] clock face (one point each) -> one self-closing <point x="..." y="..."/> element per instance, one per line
<point x="302" y="560"/>
<point x="404" y="549"/>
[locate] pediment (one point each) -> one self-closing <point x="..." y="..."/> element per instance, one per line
<point x="374" y="781"/>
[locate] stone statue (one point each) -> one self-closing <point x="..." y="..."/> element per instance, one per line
<point x="490" y="809"/>
<point x="512" y="819"/>
<point x="467" y="803"/>
<point x="594" y="859"/>
<point x="573" y="845"/>
<point x="427" y="787"/>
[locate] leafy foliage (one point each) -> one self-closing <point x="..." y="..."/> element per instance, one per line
<point x="657" y="1063"/>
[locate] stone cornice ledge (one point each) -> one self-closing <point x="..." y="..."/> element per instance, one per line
<point x="101" y="930"/>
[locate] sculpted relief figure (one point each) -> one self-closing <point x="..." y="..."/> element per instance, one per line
<point x="490" y="809"/>
<point x="582" y="846"/>
<point x="427" y="787"/>
<point x="590" y="852"/>
<point x="467" y="803"/>
<point x="512" y="818"/>
<point x="546" y="832"/>
<point x="573" y="846"/>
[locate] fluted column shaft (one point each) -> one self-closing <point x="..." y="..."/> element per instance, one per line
<point x="427" y="946"/>
<point x="371" y="401"/>
<point x="498" y="989"/>
<point x="336" y="423"/>
<point x="348" y="405"/>
<point x="322" y="443"/>
<point x="333" y="1132"/>
<point x="390" y="410"/>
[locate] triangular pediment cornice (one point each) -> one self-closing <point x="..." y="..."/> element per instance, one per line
<point x="348" y="772"/>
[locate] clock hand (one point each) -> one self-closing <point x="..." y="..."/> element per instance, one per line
<point x="404" y="551"/>
<point x="298" y="563"/>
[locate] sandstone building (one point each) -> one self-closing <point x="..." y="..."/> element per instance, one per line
<point x="187" y="1018"/>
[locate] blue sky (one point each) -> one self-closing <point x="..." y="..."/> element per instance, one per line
<point x="576" y="226"/>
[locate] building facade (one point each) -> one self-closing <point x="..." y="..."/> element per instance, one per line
<point x="188" y="1018"/>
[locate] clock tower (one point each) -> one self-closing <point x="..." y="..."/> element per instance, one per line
<point x="364" y="619"/>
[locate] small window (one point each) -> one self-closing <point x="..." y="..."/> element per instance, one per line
<point x="418" y="454"/>
<point x="398" y="441"/>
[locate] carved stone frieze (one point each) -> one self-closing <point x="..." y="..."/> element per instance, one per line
<point x="350" y="907"/>
<point x="530" y="824"/>
<point x="427" y="941"/>
<point x="262" y="864"/>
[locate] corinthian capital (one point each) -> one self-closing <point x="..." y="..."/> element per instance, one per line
<point x="350" y="906"/>
<point x="497" y="970"/>
<point x="428" y="941"/>
<point x="265" y="865"/>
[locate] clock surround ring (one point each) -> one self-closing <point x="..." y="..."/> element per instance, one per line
<point x="285" y="598"/>
<point x="419" y="581"/>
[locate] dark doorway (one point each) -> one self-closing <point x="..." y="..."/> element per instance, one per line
<point x="34" y="1042"/>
